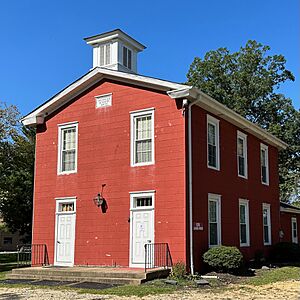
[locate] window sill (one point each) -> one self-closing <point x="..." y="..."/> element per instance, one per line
<point x="268" y="244"/>
<point x="142" y="164"/>
<point x="66" y="173"/>
<point x="244" y="245"/>
<point x="241" y="176"/>
<point x="213" y="168"/>
<point x="265" y="183"/>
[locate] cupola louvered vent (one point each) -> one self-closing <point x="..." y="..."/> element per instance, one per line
<point x="115" y="50"/>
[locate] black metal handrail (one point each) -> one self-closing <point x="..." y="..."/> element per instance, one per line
<point x="157" y="255"/>
<point x="32" y="255"/>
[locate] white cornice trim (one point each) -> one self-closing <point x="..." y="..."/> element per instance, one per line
<point x="174" y="90"/>
<point x="213" y="106"/>
<point x="88" y="80"/>
<point x="290" y="210"/>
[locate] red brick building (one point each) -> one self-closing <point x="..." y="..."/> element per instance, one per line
<point x="174" y="166"/>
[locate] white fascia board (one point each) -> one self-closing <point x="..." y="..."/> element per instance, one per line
<point x="211" y="105"/>
<point x="142" y="80"/>
<point x="62" y="97"/>
<point x="102" y="38"/>
<point x="33" y="120"/>
<point x="290" y="210"/>
<point x="88" y="80"/>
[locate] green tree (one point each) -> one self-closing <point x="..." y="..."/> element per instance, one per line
<point x="247" y="81"/>
<point x="17" y="145"/>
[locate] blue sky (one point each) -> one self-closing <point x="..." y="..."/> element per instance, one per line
<point x="42" y="48"/>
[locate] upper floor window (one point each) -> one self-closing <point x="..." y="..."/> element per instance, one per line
<point x="142" y="137"/>
<point x="264" y="163"/>
<point x="127" y="57"/>
<point x="214" y="219"/>
<point x="244" y="222"/>
<point x="242" y="154"/>
<point x="267" y="223"/>
<point x="67" y="148"/>
<point x="294" y="230"/>
<point x="104" y="54"/>
<point x="213" y="152"/>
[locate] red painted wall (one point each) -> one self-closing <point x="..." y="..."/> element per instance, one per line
<point x="104" y="157"/>
<point x="231" y="187"/>
<point x="286" y="225"/>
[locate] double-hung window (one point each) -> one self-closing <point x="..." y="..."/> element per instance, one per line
<point x="67" y="148"/>
<point x="127" y="57"/>
<point x="267" y="224"/>
<point x="244" y="222"/>
<point x="264" y="164"/>
<point x="294" y="230"/>
<point x="213" y="151"/>
<point x="242" y="154"/>
<point x="214" y="220"/>
<point x="142" y="137"/>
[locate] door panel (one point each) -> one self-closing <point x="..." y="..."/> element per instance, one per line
<point x="65" y="239"/>
<point x="142" y="233"/>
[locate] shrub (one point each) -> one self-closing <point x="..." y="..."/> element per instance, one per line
<point x="224" y="258"/>
<point x="285" y="252"/>
<point x="178" y="270"/>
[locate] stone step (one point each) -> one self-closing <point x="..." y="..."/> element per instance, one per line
<point x="69" y="273"/>
<point x="117" y="276"/>
<point x="118" y="281"/>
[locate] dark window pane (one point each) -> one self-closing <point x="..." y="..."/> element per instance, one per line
<point x="213" y="234"/>
<point x="266" y="234"/>
<point x="125" y="56"/>
<point x="241" y="166"/>
<point x="129" y="59"/>
<point x="263" y="174"/>
<point x="243" y="234"/>
<point x="212" y="156"/>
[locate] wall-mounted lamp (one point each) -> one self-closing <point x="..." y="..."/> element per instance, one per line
<point x="100" y="201"/>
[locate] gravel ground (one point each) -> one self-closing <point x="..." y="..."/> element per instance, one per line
<point x="289" y="290"/>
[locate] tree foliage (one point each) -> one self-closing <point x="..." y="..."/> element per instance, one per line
<point x="16" y="171"/>
<point x="247" y="81"/>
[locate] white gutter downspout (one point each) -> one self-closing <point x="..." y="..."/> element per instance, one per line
<point x="190" y="162"/>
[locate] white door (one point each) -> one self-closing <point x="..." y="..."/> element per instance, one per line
<point x="142" y="229"/>
<point x="294" y="231"/>
<point x="65" y="236"/>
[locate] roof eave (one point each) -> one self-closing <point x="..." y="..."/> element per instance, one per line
<point x="88" y="80"/>
<point x="208" y="103"/>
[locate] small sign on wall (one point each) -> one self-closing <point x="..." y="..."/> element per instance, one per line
<point x="103" y="100"/>
<point x="198" y="226"/>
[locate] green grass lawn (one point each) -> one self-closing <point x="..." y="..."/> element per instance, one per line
<point x="274" y="275"/>
<point x="158" y="287"/>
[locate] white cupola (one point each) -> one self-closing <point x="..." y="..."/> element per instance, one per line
<point x="115" y="50"/>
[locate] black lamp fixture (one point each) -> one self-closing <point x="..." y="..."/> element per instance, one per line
<point x="100" y="201"/>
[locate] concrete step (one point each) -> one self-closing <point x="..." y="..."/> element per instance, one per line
<point x="70" y="273"/>
<point x="120" y="281"/>
<point x="98" y="275"/>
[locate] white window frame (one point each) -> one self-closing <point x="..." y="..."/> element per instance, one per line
<point x="268" y="208"/>
<point x="294" y="239"/>
<point x="243" y="137"/>
<point x="215" y="122"/>
<point x="215" y="198"/>
<point x="265" y="148"/>
<point x="133" y="116"/>
<point x="61" y="128"/>
<point x="244" y="202"/>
